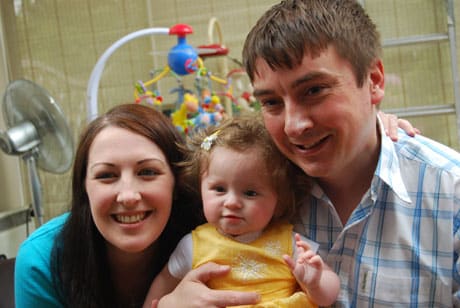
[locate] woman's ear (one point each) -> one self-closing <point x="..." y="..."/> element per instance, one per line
<point x="377" y="82"/>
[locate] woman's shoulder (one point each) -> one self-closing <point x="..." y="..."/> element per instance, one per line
<point x="44" y="236"/>
<point x="33" y="274"/>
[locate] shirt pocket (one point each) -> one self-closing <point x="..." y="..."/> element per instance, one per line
<point x="396" y="290"/>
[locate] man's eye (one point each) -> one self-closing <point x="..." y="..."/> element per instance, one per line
<point x="269" y="102"/>
<point x="315" y="90"/>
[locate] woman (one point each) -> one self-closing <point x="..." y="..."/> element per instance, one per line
<point x="128" y="211"/>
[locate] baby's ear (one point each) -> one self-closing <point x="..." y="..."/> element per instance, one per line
<point x="279" y="212"/>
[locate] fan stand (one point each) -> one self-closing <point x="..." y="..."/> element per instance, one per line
<point x="38" y="133"/>
<point x="24" y="138"/>
<point x="34" y="181"/>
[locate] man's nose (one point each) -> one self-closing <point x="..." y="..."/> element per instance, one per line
<point x="297" y="119"/>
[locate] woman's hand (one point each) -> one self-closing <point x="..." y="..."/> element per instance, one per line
<point x="391" y="124"/>
<point x="193" y="292"/>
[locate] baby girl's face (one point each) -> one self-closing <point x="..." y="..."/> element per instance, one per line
<point x="238" y="197"/>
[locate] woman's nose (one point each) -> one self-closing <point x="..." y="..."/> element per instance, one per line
<point x="128" y="195"/>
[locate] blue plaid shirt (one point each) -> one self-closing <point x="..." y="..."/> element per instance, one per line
<point x="400" y="246"/>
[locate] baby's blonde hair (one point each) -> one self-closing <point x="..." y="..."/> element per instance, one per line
<point x="240" y="134"/>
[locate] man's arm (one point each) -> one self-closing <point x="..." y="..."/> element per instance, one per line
<point x="192" y="291"/>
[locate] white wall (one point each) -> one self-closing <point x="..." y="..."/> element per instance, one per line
<point x="11" y="189"/>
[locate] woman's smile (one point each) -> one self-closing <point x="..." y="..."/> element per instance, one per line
<point x="131" y="218"/>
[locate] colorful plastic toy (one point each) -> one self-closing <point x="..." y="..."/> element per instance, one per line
<point x="196" y="107"/>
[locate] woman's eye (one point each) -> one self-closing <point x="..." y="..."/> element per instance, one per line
<point x="148" y="172"/>
<point x="105" y="175"/>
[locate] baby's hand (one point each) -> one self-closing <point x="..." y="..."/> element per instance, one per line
<point x="308" y="267"/>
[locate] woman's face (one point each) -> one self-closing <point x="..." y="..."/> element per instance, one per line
<point x="130" y="188"/>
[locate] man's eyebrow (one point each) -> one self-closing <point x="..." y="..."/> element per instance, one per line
<point x="306" y="78"/>
<point x="262" y="92"/>
<point x="299" y="81"/>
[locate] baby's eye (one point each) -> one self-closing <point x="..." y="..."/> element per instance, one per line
<point x="251" y="193"/>
<point x="219" y="189"/>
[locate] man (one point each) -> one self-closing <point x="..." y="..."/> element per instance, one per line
<point x="385" y="214"/>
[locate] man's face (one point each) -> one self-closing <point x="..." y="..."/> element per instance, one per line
<point x="318" y="116"/>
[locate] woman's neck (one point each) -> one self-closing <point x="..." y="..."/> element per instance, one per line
<point x="132" y="274"/>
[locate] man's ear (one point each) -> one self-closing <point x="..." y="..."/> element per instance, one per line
<point x="377" y="82"/>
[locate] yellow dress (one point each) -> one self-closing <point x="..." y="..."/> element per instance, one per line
<point x="257" y="266"/>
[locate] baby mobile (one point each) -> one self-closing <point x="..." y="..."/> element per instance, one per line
<point x="199" y="107"/>
<point x="193" y="108"/>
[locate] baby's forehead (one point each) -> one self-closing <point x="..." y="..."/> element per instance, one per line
<point x="250" y="151"/>
<point x="221" y="154"/>
<point x="236" y="167"/>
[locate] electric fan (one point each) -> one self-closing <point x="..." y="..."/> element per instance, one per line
<point x="38" y="132"/>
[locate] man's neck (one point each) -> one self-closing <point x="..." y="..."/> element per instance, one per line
<point x="345" y="190"/>
<point x="346" y="195"/>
